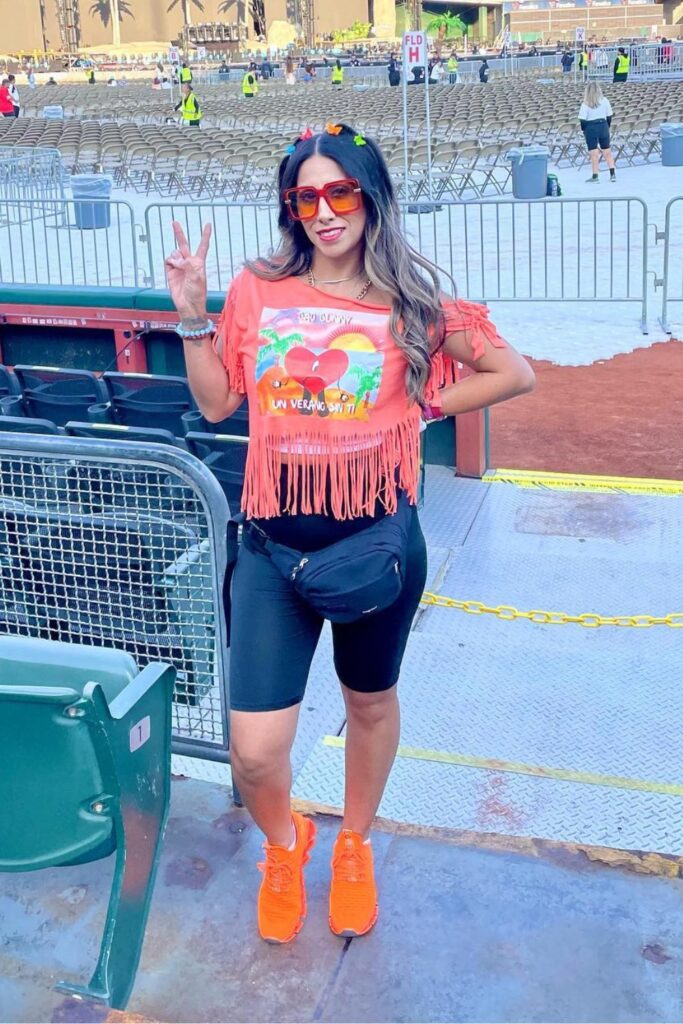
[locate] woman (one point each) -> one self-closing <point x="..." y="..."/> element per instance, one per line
<point x="342" y="342"/>
<point x="595" y="115"/>
<point x="290" y="76"/>
<point x="484" y="71"/>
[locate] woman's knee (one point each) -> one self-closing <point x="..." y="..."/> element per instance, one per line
<point x="370" y="708"/>
<point x="260" y="742"/>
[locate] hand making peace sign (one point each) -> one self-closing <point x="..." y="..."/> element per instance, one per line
<point x="186" y="274"/>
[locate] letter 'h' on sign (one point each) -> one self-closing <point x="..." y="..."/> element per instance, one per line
<point x="414" y="49"/>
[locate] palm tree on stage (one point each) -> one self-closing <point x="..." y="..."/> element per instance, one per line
<point x="257" y="12"/>
<point x="112" y="11"/>
<point x="186" y="7"/>
<point x="446" y="25"/>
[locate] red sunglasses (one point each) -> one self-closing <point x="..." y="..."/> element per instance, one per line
<point x="341" y="196"/>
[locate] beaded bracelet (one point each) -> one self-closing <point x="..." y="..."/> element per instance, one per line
<point x="202" y="332"/>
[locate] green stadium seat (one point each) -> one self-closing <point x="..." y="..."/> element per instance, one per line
<point x="149" y="400"/>
<point x="86" y="742"/>
<point x="226" y="456"/>
<point x="59" y="395"/>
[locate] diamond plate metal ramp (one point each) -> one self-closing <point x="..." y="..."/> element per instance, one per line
<point x="587" y="703"/>
<point x="449" y="796"/>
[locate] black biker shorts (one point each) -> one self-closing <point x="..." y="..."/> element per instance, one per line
<point x="274" y="632"/>
<point x="597" y="135"/>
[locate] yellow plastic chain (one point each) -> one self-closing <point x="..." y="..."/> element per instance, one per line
<point x="590" y="620"/>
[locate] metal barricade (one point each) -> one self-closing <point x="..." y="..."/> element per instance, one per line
<point x="240" y="232"/>
<point x="121" y="545"/>
<point x="648" y="61"/>
<point x="557" y="250"/>
<point x="40" y="243"/>
<point x="672" y="278"/>
<point x="27" y="174"/>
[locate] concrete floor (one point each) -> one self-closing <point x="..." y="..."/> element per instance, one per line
<point x="471" y="927"/>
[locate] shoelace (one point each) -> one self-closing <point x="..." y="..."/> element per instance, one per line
<point x="351" y="865"/>
<point x="278" y="875"/>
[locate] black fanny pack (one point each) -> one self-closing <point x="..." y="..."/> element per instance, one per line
<point x="355" y="577"/>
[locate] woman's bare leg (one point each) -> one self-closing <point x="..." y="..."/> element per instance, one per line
<point x="260" y="745"/>
<point x="594" y="154"/>
<point x="372" y="735"/>
<point x="609" y="159"/>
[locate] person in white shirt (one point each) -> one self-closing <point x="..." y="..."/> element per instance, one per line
<point x="595" y="115"/>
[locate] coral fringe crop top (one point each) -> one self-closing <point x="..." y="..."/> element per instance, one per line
<point x="325" y="382"/>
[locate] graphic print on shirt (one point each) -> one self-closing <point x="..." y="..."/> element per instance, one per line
<point x="319" y="362"/>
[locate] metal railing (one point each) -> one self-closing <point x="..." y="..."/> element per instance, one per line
<point x="240" y="231"/>
<point x="506" y="250"/>
<point x="648" y="61"/>
<point x="52" y="241"/>
<point x="672" y="278"/>
<point x="121" y="545"/>
<point x="559" y="250"/>
<point x="27" y="174"/>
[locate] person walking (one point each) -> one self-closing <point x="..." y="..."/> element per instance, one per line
<point x="14" y="94"/>
<point x="453" y="68"/>
<point x="484" y="71"/>
<point x="338" y="74"/>
<point x="583" y="62"/>
<point x="343" y="342"/>
<point x="189" y="107"/>
<point x="6" y="104"/>
<point x="249" y="84"/>
<point x="595" y="115"/>
<point x="393" y="71"/>
<point x="186" y="76"/>
<point x="566" y="60"/>
<point x="622" y="65"/>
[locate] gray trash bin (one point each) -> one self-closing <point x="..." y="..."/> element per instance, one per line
<point x="529" y="171"/>
<point x="671" y="137"/>
<point x="97" y="189"/>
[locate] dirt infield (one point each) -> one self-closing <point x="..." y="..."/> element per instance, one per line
<point x="622" y="416"/>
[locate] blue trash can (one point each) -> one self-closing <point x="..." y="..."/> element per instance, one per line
<point x="97" y="188"/>
<point x="671" y="137"/>
<point x="529" y="171"/>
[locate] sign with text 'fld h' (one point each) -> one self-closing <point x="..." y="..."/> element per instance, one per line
<point x="414" y="49"/>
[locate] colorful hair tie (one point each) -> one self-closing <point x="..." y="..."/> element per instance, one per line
<point x="333" y="129"/>
<point x="290" y="149"/>
<point x="359" y="140"/>
<point x="307" y="134"/>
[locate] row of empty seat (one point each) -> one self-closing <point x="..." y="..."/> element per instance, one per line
<point x="118" y="406"/>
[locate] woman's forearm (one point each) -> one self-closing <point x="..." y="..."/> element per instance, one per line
<point x="479" y="390"/>
<point x="208" y="380"/>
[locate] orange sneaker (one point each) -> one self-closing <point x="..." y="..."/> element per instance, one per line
<point x="282" y="896"/>
<point x="353" y="893"/>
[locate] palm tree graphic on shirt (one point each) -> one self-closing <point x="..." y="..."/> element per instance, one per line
<point x="368" y="381"/>
<point x="278" y="348"/>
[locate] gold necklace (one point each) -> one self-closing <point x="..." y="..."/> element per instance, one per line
<point x="361" y="295"/>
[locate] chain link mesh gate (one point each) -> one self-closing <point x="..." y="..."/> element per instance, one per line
<point x="121" y="545"/>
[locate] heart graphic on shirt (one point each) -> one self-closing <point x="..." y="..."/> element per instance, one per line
<point x="315" y="372"/>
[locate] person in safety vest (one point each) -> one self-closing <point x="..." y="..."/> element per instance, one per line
<point x="452" y="67"/>
<point x="337" y="74"/>
<point x="583" y="61"/>
<point x="249" y="84"/>
<point x="621" y="66"/>
<point x="189" y="106"/>
<point x="185" y="74"/>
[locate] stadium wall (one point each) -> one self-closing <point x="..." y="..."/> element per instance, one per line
<point x="551" y="21"/>
<point x="148" y="20"/>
